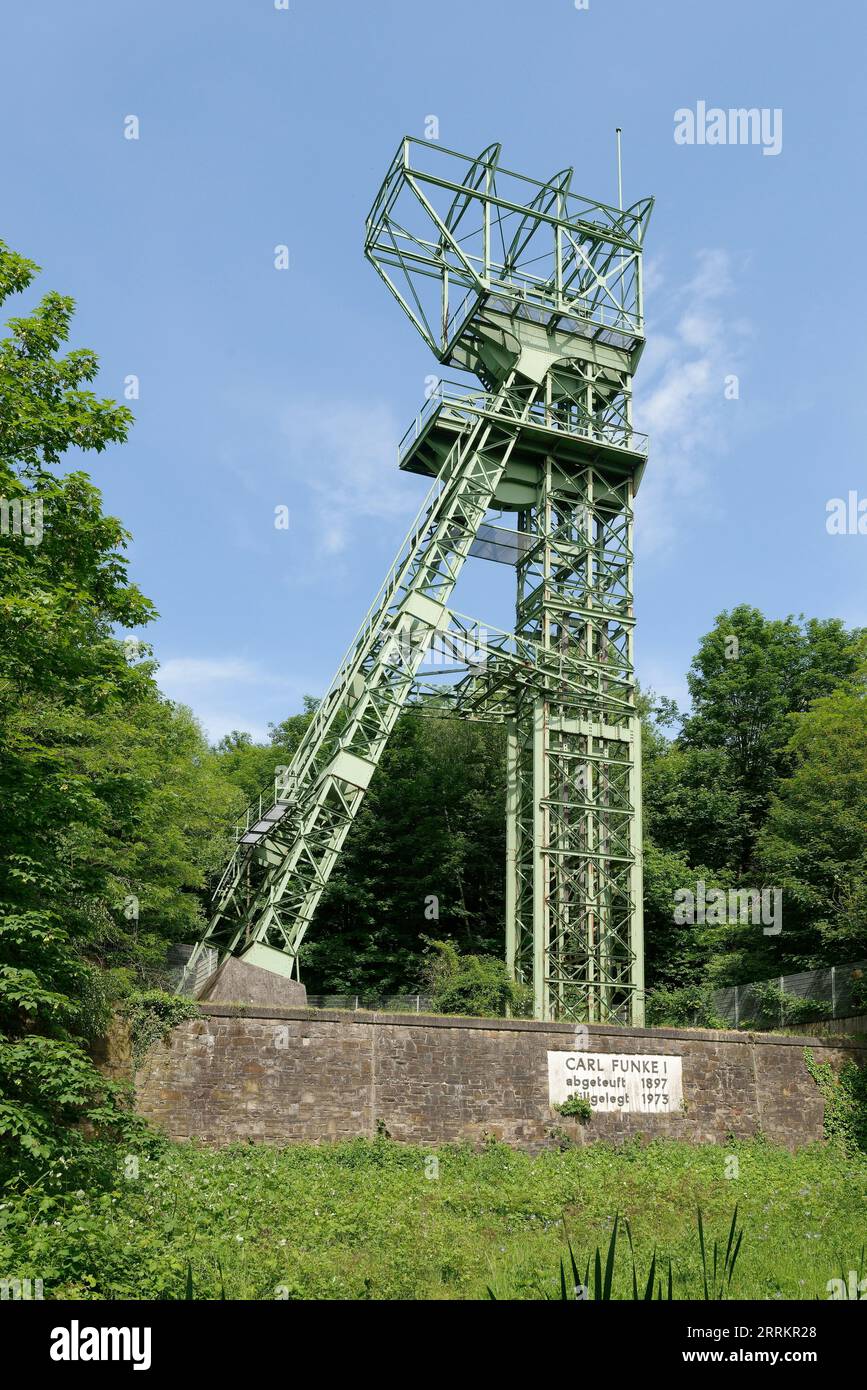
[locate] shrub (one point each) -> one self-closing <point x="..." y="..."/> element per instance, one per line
<point x="59" y="1117"/>
<point x="473" y="985"/>
<point x="772" y="1007"/>
<point x="845" y="1097"/>
<point x="858" y="992"/>
<point x="579" y="1106"/>
<point x="689" y="1007"/>
<point x="151" y="1015"/>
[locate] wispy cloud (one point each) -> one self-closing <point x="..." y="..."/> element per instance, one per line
<point x="346" y="454"/>
<point x="693" y="348"/>
<point x="221" y="690"/>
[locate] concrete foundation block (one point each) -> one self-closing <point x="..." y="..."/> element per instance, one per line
<point x="239" y="982"/>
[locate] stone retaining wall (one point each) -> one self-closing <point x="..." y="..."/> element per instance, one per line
<point x="299" y="1075"/>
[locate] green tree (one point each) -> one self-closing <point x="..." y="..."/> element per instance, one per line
<point x="691" y="818"/>
<point x="252" y="766"/>
<point x="426" y="853"/>
<point x="473" y="984"/>
<point x="814" y="845"/>
<point x="676" y="956"/>
<point x="749" y="674"/>
<point x="693" y="806"/>
<point x="107" y="791"/>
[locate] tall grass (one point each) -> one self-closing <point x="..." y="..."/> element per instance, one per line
<point x="379" y="1220"/>
<point x="717" y="1269"/>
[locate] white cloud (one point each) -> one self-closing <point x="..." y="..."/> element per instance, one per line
<point x="680" y="399"/>
<point x="346" y="453"/>
<point x="712" y="277"/>
<point x="220" y="691"/>
<point x="654" y="276"/>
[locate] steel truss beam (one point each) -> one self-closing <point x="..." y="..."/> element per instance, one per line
<point x="539" y="292"/>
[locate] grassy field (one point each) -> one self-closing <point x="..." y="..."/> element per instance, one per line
<point x="372" y="1219"/>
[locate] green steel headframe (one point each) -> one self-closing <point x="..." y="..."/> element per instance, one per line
<point x="537" y="291"/>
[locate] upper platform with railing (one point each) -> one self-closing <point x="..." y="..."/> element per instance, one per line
<point x="450" y="404"/>
<point x="455" y="238"/>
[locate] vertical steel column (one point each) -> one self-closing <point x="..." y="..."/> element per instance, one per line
<point x="511" y="846"/>
<point x="540" y="863"/>
<point x="637" y="884"/>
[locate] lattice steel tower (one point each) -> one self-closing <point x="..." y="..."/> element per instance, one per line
<point x="536" y="291"/>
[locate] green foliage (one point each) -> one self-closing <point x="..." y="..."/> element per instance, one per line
<point x="693" y="807"/>
<point x="858" y="992"/>
<point x="59" y="1118"/>
<point x="112" y="810"/>
<point x="473" y="985"/>
<point x="692" y="1006"/>
<point x="189" y="1293"/>
<point x="579" y="1106"/>
<point x="151" y="1015"/>
<point x="769" y="1006"/>
<point x="366" y="1220"/>
<point x="815" y="841"/>
<point x="763" y="787"/>
<point x="676" y="955"/>
<point x="425" y="855"/>
<point x="743" y="695"/>
<point x="717" y="1270"/>
<point x="578" y="1287"/>
<point x="845" y="1095"/>
<point x="252" y="766"/>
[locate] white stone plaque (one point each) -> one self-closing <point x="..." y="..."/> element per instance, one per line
<point x="635" y="1083"/>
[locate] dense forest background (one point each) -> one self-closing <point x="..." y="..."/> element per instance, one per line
<point x="116" y="814"/>
<point x="763" y="784"/>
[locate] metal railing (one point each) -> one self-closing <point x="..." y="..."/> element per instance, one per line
<point x="567" y="415"/>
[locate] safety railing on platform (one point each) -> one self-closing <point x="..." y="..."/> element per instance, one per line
<point x="566" y="415"/>
<point x="372" y="1003"/>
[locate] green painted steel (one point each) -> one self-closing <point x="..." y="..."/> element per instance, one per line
<point x="537" y="291"/>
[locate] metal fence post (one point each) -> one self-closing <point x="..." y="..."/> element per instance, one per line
<point x="833" y="991"/>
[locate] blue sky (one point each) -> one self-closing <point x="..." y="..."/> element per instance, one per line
<point x="258" y="388"/>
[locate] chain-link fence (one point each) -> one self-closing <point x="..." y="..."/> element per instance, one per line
<point x="839" y="991"/>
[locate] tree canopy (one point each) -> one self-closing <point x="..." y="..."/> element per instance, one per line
<point x="113" y="809"/>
